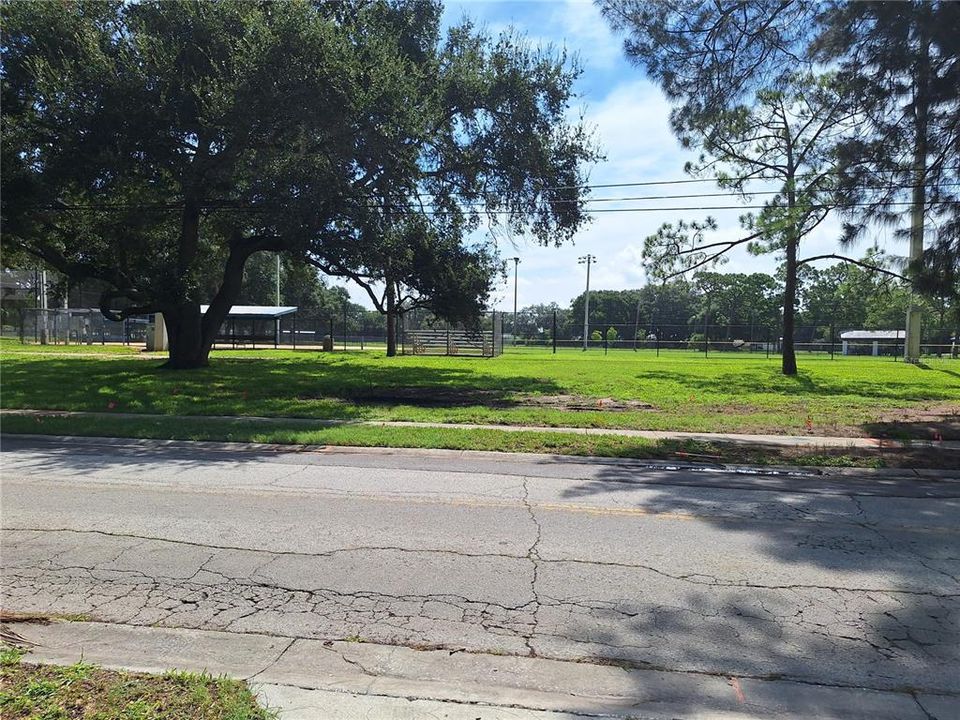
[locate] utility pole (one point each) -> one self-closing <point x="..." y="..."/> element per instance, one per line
<point x="45" y="327"/>
<point x="587" y="260"/>
<point x="516" y="262"/>
<point x="636" y="324"/>
<point x="921" y="111"/>
<point x="278" y="279"/>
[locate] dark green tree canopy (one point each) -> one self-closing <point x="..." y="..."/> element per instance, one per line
<point x="902" y="61"/>
<point x="156" y="146"/>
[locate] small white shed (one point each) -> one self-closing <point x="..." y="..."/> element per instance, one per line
<point x="852" y="340"/>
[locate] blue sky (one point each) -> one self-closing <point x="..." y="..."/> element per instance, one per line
<point x="629" y="117"/>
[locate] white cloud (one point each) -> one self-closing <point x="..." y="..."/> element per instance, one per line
<point x="583" y="29"/>
<point x="632" y="125"/>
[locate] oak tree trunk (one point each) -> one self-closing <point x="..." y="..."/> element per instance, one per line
<point x="185" y="337"/>
<point x="391" y="320"/>
<point x="190" y="334"/>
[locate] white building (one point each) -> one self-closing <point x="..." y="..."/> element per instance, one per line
<point x="857" y="342"/>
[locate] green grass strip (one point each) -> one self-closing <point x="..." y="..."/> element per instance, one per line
<point x="295" y="433"/>
<point x="87" y="692"/>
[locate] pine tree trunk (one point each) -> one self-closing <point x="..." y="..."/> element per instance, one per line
<point x="789" y="365"/>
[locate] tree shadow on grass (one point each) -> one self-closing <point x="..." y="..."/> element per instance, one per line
<point x="291" y="388"/>
<point x="931" y="428"/>
<point x="746" y="384"/>
<point x="945" y="371"/>
<point x="847" y="581"/>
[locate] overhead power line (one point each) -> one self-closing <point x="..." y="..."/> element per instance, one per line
<point x="226" y="205"/>
<point x="743" y="178"/>
<point x="255" y="209"/>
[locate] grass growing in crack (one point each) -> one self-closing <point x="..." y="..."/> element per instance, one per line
<point x="86" y="692"/>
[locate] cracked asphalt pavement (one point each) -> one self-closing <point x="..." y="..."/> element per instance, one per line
<point x="842" y="581"/>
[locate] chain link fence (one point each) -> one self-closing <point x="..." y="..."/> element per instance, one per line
<point x="418" y="332"/>
<point x="731" y="340"/>
<point x="78" y="326"/>
<point x="421" y="333"/>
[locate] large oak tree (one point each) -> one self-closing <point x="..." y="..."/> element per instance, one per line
<point x="157" y="146"/>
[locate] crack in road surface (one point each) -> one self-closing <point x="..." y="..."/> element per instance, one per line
<point x="821" y="588"/>
<point x="874" y="623"/>
<point x="534" y="557"/>
<point x="696" y="578"/>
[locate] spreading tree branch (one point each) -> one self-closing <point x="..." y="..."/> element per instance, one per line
<point x="867" y="266"/>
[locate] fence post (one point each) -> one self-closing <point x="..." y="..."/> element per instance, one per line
<point x="331" y="332"/>
<point x="605" y="343"/>
<point x="22" y="323"/>
<point x="768" y="342"/>
<point x="344" y="327"/>
<point x="831" y="341"/>
<point x="103" y="323"/>
<point x="554" y="332"/>
<point x="657" y="336"/>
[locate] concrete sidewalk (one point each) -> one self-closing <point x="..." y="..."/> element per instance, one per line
<point x="833" y="479"/>
<point x="792" y="441"/>
<point x="336" y="680"/>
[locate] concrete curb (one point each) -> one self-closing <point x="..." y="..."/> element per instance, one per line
<point x="351" y="680"/>
<point x="815" y="441"/>
<point x="798" y="471"/>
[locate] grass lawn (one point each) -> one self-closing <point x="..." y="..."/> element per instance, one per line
<point x="675" y="391"/>
<point x="86" y="692"/>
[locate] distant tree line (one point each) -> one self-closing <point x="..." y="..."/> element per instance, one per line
<point x="741" y="306"/>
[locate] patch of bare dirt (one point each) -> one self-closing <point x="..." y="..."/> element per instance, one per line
<point x="582" y="403"/>
<point x="446" y="398"/>
<point x="938" y="422"/>
<point x="431" y="397"/>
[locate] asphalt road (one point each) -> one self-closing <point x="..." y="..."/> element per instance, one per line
<point x="851" y="581"/>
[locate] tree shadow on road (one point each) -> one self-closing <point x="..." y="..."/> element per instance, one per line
<point x="128" y="456"/>
<point x="846" y="581"/>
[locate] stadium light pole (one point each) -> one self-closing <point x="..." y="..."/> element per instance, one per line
<point x="516" y="263"/>
<point x="636" y="324"/>
<point x="587" y="260"/>
<point x="278" y="279"/>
